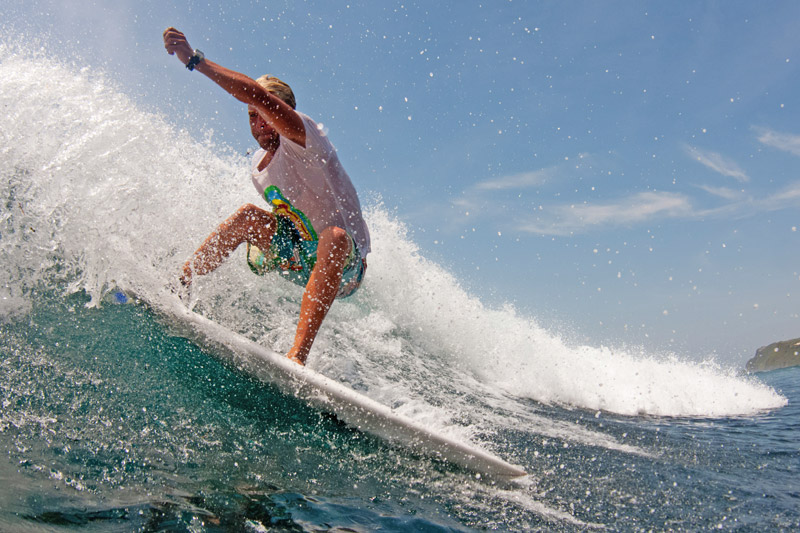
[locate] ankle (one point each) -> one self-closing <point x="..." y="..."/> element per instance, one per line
<point x="297" y="359"/>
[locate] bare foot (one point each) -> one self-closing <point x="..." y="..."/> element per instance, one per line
<point x="186" y="276"/>
<point x="296" y="359"/>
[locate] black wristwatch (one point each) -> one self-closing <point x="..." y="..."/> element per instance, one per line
<point x="195" y="59"/>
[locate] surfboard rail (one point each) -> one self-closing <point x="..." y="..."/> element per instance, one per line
<point x="326" y="394"/>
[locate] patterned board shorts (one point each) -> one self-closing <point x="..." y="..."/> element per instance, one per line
<point x="294" y="258"/>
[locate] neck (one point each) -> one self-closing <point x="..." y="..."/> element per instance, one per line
<point x="271" y="145"/>
<point x="270" y="148"/>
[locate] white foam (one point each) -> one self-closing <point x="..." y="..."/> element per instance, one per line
<point x="516" y="354"/>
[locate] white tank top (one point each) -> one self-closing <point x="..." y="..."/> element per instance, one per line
<point x="314" y="182"/>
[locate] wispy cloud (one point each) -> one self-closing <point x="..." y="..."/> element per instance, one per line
<point x="782" y="141"/>
<point x="637" y="208"/>
<point x="725" y="193"/>
<point x="516" y="181"/>
<point x="475" y="198"/>
<point x="790" y="196"/>
<point x="481" y="201"/>
<point x="523" y="180"/>
<point x="534" y="178"/>
<point x="718" y="163"/>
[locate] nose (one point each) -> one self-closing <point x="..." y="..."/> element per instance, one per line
<point x="258" y="124"/>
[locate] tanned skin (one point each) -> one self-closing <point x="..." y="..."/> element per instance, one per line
<point x="271" y="119"/>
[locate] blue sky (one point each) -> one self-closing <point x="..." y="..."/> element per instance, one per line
<point x="623" y="171"/>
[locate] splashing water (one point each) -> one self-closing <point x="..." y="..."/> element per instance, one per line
<point x="99" y="194"/>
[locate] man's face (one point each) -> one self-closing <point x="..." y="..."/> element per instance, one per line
<point x="264" y="134"/>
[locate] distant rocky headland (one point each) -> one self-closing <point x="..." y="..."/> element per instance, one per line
<point x="777" y="355"/>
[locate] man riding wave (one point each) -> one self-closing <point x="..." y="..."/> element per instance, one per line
<point x="314" y="232"/>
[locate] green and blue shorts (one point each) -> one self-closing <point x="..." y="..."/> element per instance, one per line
<point x="294" y="257"/>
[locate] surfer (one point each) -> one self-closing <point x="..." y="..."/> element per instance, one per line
<point x="314" y="232"/>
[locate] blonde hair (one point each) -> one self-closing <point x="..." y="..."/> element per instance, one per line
<point x="279" y="88"/>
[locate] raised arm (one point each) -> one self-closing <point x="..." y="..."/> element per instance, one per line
<point x="245" y="89"/>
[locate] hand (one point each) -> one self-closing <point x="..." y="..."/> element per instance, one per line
<point x="176" y="44"/>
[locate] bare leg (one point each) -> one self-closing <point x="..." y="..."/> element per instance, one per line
<point x="332" y="251"/>
<point x="248" y="224"/>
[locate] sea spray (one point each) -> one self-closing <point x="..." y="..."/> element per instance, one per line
<point x="514" y="353"/>
<point x="110" y="420"/>
<point x="100" y="194"/>
<point x="97" y="191"/>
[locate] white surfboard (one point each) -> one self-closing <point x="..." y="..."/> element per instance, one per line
<point x="331" y="396"/>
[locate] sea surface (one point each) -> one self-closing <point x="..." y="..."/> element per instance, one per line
<point x="111" y="421"/>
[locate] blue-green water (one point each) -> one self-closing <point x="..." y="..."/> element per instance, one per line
<point x="111" y="421"/>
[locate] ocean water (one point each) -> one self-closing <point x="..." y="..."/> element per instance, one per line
<point x="110" y="421"/>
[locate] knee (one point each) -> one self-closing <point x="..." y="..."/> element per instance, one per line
<point x="252" y="220"/>
<point x="336" y="241"/>
<point x="250" y="212"/>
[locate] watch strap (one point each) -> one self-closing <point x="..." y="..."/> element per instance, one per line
<point x="195" y="59"/>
